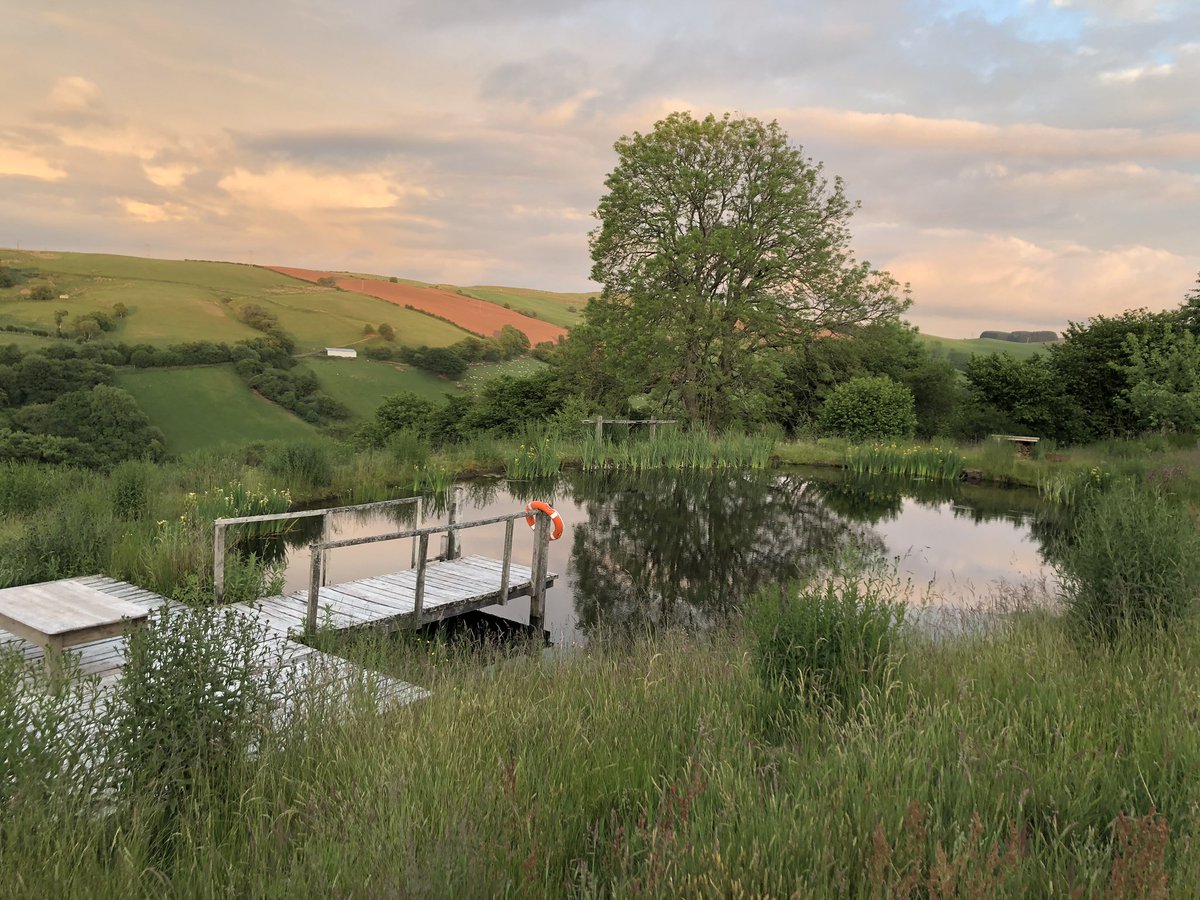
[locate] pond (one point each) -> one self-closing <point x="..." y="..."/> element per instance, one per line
<point x="650" y="549"/>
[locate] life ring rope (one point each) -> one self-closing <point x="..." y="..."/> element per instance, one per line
<point x="555" y="518"/>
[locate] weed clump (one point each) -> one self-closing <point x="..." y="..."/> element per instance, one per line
<point x="1131" y="565"/>
<point x="827" y="643"/>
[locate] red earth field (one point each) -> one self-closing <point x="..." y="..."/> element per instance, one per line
<point x="477" y="316"/>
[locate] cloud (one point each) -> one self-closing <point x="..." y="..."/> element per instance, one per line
<point x="154" y="213"/>
<point x="293" y="189"/>
<point x="966" y="282"/>
<point x="73" y="94"/>
<point x="23" y="164"/>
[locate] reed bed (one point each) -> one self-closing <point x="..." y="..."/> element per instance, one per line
<point x="678" y="449"/>
<point x="932" y="463"/>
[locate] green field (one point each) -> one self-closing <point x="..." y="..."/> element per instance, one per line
<point x="362" y="384"/>
<point x="172" y="301"/>
<point x="558" y="309"/>
<point x="960" y="349"/>
<point x="209" y="406"/>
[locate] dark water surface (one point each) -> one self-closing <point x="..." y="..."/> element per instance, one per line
<point x="659" y="548"/>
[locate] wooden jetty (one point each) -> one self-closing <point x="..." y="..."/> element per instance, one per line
<point x="433" y="590"/>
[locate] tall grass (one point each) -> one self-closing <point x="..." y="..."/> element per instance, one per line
<point x="931" y="463"/>
<point x="673" y="448"/>
<point x="1131" y="564"/>
<point x="1007" y="764"/>
<point x="537" y="456"/>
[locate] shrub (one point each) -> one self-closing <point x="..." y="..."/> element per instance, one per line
<point x="828" y="642"/>
<point x="197" y="693"/>
<point x="1132" y="563"/>
<point x="869" y="407"/>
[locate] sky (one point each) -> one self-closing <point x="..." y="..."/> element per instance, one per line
<point x="1019" y="163"/>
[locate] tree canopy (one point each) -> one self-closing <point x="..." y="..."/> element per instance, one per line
<point x="721" y="244"/>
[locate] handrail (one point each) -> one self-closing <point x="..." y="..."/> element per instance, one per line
<point x="538" y="564"/>
<point x="300" y="514"/>
<point x="220" y="526"/>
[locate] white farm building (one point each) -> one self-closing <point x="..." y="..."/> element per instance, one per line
<point x="341" y="351"/>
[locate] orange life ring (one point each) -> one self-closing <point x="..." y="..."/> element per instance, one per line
<point x="549" y="510"/>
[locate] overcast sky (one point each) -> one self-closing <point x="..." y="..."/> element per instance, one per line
<point x="1019" y="162"/>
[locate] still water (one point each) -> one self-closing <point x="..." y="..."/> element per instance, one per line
<point x="668" y="548"/>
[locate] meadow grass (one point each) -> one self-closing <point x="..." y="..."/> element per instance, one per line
<point x="209" y="406"/>
<point x="558" y="309"/>
<point x="172" y="301"/>
<point x="1010" y="763"/>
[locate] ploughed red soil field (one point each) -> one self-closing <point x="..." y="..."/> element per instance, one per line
<point x="477" y="316"/>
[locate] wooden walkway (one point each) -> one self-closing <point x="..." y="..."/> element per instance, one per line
<point x="451" y="587"/>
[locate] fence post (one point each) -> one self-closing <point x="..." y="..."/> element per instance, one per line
<point x="314" y="587"/>
<point x="218" y="562"/>
<point x="599" y="429"/>
<point x="419" y="599"/>
<point x="537" y="594"/>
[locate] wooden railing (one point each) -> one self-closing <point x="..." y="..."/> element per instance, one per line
<point x="600" y="422"/>
<point x="538" y="566"/>
<point x="221" y="526"/>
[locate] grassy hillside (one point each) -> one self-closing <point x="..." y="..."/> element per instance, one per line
<point x="363" y="383"/>
<point x="960" y="349"/>
<point x="560" y="309"/>
<point x="208" y="407"/>
<point x="180" y="300"/>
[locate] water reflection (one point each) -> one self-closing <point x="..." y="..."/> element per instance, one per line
<point x="668" y="548"/>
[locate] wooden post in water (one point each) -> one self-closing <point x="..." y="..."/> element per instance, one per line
<point x="419" y="521"/>
<point x="218" y="563"/>
<point x="453" y="542"/>
<point x="326" y="535"/>
<point x="314" y="587"/>
<point x="541" y="561"/>
<point x="419" y="599"/>
<point x="507" y="564"/>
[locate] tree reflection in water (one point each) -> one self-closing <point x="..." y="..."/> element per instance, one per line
<point x="683" y="549"/>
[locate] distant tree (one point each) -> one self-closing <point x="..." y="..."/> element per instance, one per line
<point x="368" y="329"/>
<point x="42" y="292"/>
<point x="327" y="281"/>
<point x="120" y="310"/>
<point x="386" y="331"/>
<point x="86" y="327"/>
<point x="60" y="316"/>
<point x="513" y="342"/>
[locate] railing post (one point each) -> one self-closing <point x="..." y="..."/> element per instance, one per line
<point x="537" y="596"/>
<point x="453" y="542"/>
<point x="599" y="429"/>
<point x="420" y="518"/>
<point x="507" y="565"/>
<point x="326" y="535"/>
<point x="419" y="599"/>
<point x="314" y="587"/>
<point x="653" y="428"/>
<point x="218" y="562"/>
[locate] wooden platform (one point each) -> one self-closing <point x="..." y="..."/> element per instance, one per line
<point x="452" y="587"/>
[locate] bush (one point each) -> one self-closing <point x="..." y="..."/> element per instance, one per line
<point x="197" y="693"/>
<point x="827" y="643"/>
<point x="869" y="407"/>
<point x="1131" y="565"/>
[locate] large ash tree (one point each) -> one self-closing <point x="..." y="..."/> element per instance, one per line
<point x="721" y="250"/>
